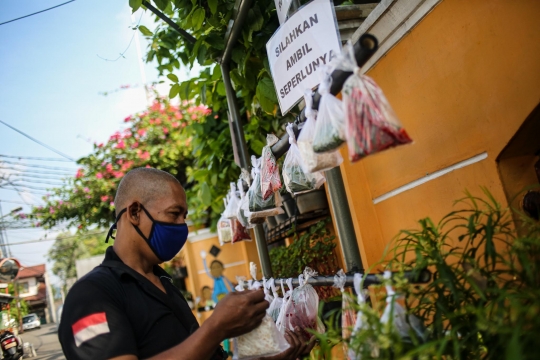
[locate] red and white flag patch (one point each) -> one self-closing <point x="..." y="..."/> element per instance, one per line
<point x="89" y="327"/>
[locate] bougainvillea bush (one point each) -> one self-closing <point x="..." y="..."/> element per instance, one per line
<point x="159" y="137"/>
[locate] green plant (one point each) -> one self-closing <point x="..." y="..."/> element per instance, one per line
<point x="484" y="299"/>
<point x="314" y="248"/>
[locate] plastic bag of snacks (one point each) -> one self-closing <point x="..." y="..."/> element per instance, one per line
<point x="239" y="232"/>
<point x="259" y="208"/>
<point x="287" y="309"/>
<point x="330" y="125"/>
<point x="294" y="177"/>
<point x="395" y="315"/>
<point x="232" y="203"/>
<point x="270" y="180"/>
<point x="348" y="314"/>
<point x="371" y="124"/>
<point x="265" y="340"/>
<point x="240" y="215"/>
<point x="312" y="161"/>
<point x="277" y="302"/>
<point x="306" y="307"/>
<point x="224" y="230"/>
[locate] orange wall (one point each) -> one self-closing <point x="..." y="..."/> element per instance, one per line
<point x="462" y="82"/>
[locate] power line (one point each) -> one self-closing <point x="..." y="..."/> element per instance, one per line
<point x="37" y="141"/>
<point x="31" y="171"/>
<point x="64" y="238"/>
<point x="39" y="12"/>
<point x="130" y="41"/>
<point x="24" y="191"/>
<point x="37" y="166"/>
<point x="34" y="158"/>
<point x="14" y="202"/>
<point x="27" y="175"/>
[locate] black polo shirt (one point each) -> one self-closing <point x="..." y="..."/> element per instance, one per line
<point x="115" y="311"/>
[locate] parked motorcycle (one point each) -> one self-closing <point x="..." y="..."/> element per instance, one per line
<point x="11" y="345"/>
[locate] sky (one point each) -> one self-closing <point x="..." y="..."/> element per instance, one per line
<point x="51" y="75"/>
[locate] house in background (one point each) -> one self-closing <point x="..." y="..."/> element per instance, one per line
<point x="33" y="284"/>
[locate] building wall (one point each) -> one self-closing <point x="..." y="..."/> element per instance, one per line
<point x="462" y="82"/>
<point x="32" y="287"/>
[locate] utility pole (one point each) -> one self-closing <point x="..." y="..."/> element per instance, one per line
<point x="18" y="299"/>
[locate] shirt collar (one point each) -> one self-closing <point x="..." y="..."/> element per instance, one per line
<point x="110" y="255"/>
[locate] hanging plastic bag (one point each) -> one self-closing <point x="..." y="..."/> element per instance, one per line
<point x="312" y="161"/>
<point x="361" y="321"/>
<point x="294" y="177"/>
<point x="265" y="340"/>
<point x="371" y="124"/>
<point x="267" y="296"/>
<point x="277" y="302"/>
<point x="232" y="203"/>
<point x="287" y="309"/>
<point x="239" y="232"/>
<point x="270" y="180"/>
<point x="259" y="208"/>
<point x="306" y="307"/>
<point x="330" y="124"/>
<point x="224" y="230"/>
<point x="348" y="314"/>
<point x="395" y="316"/>
<point x="240" y="215"/>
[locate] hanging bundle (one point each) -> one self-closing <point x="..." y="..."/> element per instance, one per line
<point x="348" y="314"/>
<point x="267" y="296"/>
<point x="232" y="203"/>
<point x="306" y="307"/>
<point x="312" y="161"/>
<point x="270" y="180"/>
<point x="265" y="340"/>
<point x="361" y="321"/>
<point x="287" y="309"/>
<point x="224" y="230"/>
<point x="330" y="125"/>
<point x="294" y="177"/>
<point x="277" y="302"/>
<point x="240" y="215"/>
<point x="396" y="318"/>
<point x="258" y="208"/>
<point x="371" y="124"/>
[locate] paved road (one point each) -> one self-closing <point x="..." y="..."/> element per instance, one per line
<point x="45" y="342"/>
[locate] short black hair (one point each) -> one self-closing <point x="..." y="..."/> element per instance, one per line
<point x="142" y="183"/>
<point x="218" y="262"/>
<point x="205" y="287"/>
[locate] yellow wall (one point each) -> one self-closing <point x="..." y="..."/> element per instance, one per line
<point x="462" y="82"/>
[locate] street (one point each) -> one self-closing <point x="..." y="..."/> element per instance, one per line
<point x="45" y="342"/>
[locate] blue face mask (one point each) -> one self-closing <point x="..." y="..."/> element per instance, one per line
<point x="165" y="239"/>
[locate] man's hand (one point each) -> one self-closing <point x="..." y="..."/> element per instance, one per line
<point x="297" y="347"/>
<point x="238" y="313"/>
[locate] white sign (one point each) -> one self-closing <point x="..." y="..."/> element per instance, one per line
<point x="282" y="8"/>
<point x="299" y="48"/>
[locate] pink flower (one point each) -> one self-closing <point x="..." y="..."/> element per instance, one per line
<point x="51" y="210"/>
<point x="141" y="132"/>
<point x="22" y="216"/>
<point x="158" y="121"/>
<point x="100" y="145"/>
<point x="127" y="119"/>
<point x="38" y="224"/>
<point x="118" y="174"/>
<point x="111" y="203"/>
<point x="194" y="117"/>
<point x="86" y="190"/>
<point x="145" y="155"/>
<point x="79" y="174"/>
<point x="216" y="116"/>
<point x="156" y="106"/>
<point x="109" y="168"/>
<point x="135" y="145"/>
<point x="148" y="166"/>
<point x="165" y="130"/>
<point x="151" y="121"/>
<point x="99" y="175"/>
<point x="104" y="198"/>
<point x="175" y="124"/>
<point x="61" y="202"/>
<point x="178" y="115"/>
<point x="121" y="145"/>
<point x="127" y="165"/>
<point x="88" y="196"/>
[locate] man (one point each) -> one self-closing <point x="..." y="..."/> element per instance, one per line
<point x="127" y="308"/>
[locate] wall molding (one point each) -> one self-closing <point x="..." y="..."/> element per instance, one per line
<point x="390" y="21"/>
<point x="201" y="235"/>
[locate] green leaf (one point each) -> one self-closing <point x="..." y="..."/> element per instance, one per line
<point x="175" y="89"/>
<point x="206" y="195"/>
<point x="255" y="19"/>
<point x="198" y="18"/>
<point x="173" y="78"/>
<point x="212" y="4"/>
<point x="201" y="54"/>
<point x="144" y="30"/>
<point x="220" y="88"/>
<point x="266" y="88"/>
<point x="135" y="4"/>
<point x="161" y="4"/>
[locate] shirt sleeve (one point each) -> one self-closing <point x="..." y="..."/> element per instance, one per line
<point x="94" y="324"/>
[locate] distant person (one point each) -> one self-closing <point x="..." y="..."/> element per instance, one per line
<point x="127" y="308"/>
<point x="222" y="285"/>
<point x="206" y="298"/>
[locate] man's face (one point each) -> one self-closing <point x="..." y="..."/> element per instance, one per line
<point x="169" y="207"/>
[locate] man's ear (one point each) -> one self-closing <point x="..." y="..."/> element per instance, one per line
<point x="133" y="213"/>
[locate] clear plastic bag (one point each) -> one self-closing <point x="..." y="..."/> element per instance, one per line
<point x="348" y="313"/>
<point x="265" y="340"/>
<point x="371" y="124"/>
<point x="287" y="309"/>
<point x="330" y="124"/>
<point x="396" y="317"/>
<point x="361" y="322"/>
<point x="306" y="307"/>
<point x="312" y="161"/>
<point x="224" y="230"/>
<point x="270" y="179"/>
<point x="277" y="302"/>
<point x="232" y="203"/>
<point x="258" y="208"/>
<point x="294" y="177"/>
